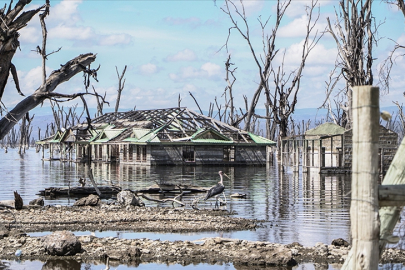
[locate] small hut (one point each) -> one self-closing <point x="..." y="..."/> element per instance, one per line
<point x="328" y="149"/>
<point x="173" y="136"/>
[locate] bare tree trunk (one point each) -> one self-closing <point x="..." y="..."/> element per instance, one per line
<point x="10" y="25"/>
<point x="121" y="84"/>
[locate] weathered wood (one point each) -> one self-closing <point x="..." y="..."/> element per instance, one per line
<point x="65" y="73"/>
<point x="172" y="188"/>
<point x="163" y="200"/>
<point x="94" y="183"/>
<point x="364" y="253"/>
<point x="389" y="216"/>
<point x="113" y="190"/>
<point x="81" y="191"/>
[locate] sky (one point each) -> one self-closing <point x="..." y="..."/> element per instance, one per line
<point x="173" y="48"/>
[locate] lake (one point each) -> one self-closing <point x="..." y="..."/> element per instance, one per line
<point x="294" y="207"/>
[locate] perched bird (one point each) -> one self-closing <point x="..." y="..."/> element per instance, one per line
<point x="217" y="189"/>
<point x="82" y="182"/>
<point x="385" y="115"/>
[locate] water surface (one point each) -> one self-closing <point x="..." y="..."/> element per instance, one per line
<point x="295" y="207"/>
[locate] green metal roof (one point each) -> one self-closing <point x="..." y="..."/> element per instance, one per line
<point x="261" y="140"/>
<point x="202" y="132"/>
<point x="326" y="129"/>
<point x="143" y="135"/>
<point x="211" y="141"/>
<point x="108" y="134"/>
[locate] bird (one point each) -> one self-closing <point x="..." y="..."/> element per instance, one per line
<point x="82" y="182"/>
<point x="217" y="189"/>
<point x="385" y="115"/>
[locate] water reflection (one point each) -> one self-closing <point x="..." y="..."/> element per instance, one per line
<point x="295" y="207"/>
<point x="95" y="265"/>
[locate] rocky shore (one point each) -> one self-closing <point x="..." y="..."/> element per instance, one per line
<point x="15" y="226"/>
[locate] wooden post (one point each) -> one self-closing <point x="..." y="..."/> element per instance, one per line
<point x="320" y="153"/>
<point x="365" y="229"/>
<point x="390" y="215"/>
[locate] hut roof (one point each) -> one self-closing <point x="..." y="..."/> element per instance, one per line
<point x="163" y="126"/>
<point x="325" y="129"/>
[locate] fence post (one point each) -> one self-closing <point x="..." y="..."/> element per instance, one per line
<point x="365" y="229"/>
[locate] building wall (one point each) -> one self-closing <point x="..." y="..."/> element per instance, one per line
<point x="208" y="155"/>
<point x="178" y="155"/>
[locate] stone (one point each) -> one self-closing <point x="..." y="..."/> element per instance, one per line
<point x="37" y="201"/>
<point x="4" y="232"/>
<point x="61" y="243"/>
<point x="340" y="242"/>
<point x="91" y="200"/>
<point x="127" y="198"/>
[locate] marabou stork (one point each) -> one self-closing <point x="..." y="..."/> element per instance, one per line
<point x="217" y="190"/>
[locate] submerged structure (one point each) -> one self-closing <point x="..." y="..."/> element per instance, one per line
<point x="327" y="148"/>
<point x="173" y="136"/>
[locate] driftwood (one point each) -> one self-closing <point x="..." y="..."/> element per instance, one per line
<point x="113" y="190"/>
<point x="172" y="188"/>
<point x="163" y="200"/>
<point x="82" y="191"/>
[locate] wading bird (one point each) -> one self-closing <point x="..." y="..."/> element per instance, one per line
<point x="217" y="190"/>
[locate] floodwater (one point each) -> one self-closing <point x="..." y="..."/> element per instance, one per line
<point x="294" y="207"/>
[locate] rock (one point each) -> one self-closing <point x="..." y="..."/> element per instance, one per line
<point x="340" y="242"/>
<point x="8" y="203"/>
<point x="38" y="201"/>
<point x="91" y="200"/>
<point x="135" y="252"/>
<point x="321" y="249"/>
<point x="4" y="232"/>
<point x="126" y="198"/>
<point x="61" y="243"/>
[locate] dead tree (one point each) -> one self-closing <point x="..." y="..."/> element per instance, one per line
<point x="11" y="22"/>
<point x="121" y="84"/>
<point x="25" y="133"/>
<point x="281" y="94"/>
<point x="46" y="90"/>
<point x="387" y="65"/>
<point x="57" y="77"/>
<point x="353" y="33"/>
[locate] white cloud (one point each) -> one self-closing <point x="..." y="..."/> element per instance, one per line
<point x="212" y="69"/>
<point x="298" y="28"/>
<point x="65" y="12"/>
<point x="250" y="6"/>
<point x="30" y="35"/>
<point x="72" y="33"/>
<point x="148" y="69"/>
<point x="297" y="8"/>
<point x="115" y="39"/>
<point x="31" y="80"/>
<point x="207" y="70"/>
<point x="184" y="55"/>
<point x="318" y="56"/>
<point x="189" y="88"/>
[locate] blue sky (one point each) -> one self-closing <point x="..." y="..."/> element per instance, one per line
<point x="172" y="48"/>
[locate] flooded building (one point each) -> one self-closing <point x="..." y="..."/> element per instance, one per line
<point x="174" y="136"/>
<point x="328" y="149"/>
